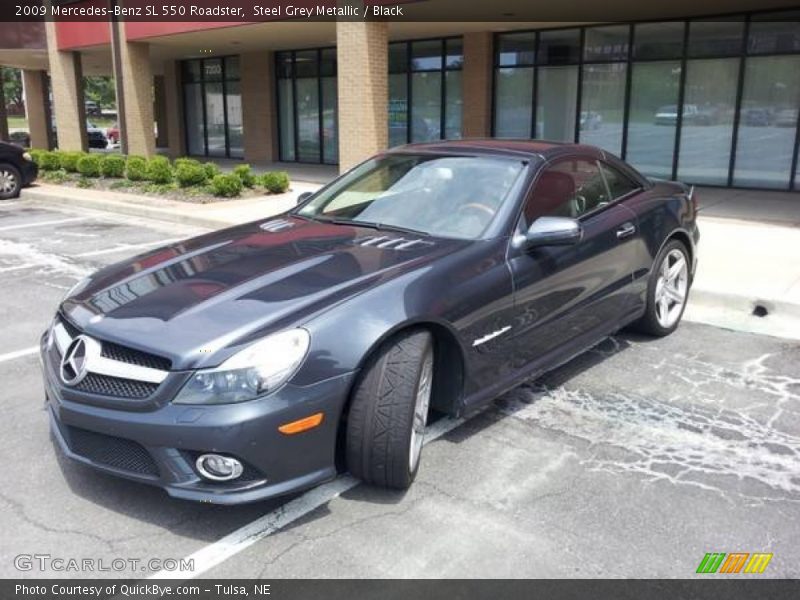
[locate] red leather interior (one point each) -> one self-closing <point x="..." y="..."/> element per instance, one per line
<point x="554" y="189"/>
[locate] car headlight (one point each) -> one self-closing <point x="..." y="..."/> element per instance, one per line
<point x="27" y="156"/>
<point x="259" y="369"/>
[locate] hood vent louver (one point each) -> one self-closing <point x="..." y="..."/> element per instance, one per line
<point x="385" y="242"/>
<point x="276" y="225"/>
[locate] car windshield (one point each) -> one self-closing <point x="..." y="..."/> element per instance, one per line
<point x="445" y="196"/>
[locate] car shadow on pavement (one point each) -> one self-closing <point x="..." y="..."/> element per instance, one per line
<point x="209" y="522"/>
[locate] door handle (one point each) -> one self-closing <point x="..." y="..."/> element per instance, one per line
<point x="626" y="230"/>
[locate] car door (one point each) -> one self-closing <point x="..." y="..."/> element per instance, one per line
<point x="565" y="297"/>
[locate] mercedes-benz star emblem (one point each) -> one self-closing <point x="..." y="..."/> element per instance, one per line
<point x="73" y="363"/>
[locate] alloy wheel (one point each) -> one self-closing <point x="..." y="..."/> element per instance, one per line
<point x="421" y="405"/>
<point x="671" y="288"/>
<point x="8" y="181"/>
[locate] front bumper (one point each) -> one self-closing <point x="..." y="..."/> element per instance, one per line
<point x="29" y="172"/>
<point x="158" y="446"/>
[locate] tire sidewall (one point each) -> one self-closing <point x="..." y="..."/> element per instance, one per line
<point x="18" y="176"/>
<point x="427" y="350"/>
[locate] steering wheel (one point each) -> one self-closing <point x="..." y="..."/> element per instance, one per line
<point x="477" y="206"/>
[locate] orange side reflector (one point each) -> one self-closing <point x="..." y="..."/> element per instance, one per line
<point x="301" y="425"/>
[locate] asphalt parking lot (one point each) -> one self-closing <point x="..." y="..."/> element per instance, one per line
<point x="633" y="460"/>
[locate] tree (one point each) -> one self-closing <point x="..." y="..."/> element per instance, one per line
<point x="12" y="89"/>
<point x="101" y="90"/>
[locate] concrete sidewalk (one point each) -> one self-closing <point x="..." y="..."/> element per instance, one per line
<point x="748" y="276"/>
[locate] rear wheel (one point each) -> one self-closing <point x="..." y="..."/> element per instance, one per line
<point x="667" y="290"/>
<point x="389" y="411"/>
<point x="10" y="181"/>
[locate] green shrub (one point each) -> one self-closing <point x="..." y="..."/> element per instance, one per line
<point x="50" y="161"/>
<point x="89" y="165"/>
<point x="189" y="174"/>
<point x="69" y="160"/>
<point x="37" y="154"/>
<point x="212" y="170"/>
<point x="185" y="161"/>
<point x="228" y="185"/>
<point x="113" y="165"/>
<point x="136" y="168"/>
<point x="245" y="173"/>
<point x="276" y="182"/>
<point x="159" y="170"/>
<point x="85" y="182"/>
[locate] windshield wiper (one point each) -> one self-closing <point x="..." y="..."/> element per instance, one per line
<point x="374" y="225"/>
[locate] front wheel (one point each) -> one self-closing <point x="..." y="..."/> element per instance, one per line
<point x="667" y="290"/>
<point x="389" y="411"/>
<point x="10" y="181"/>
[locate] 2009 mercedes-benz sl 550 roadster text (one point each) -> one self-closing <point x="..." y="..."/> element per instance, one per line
<point x="265" y="358"/>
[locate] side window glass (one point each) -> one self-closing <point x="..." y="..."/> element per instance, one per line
<point x="569" y="188"/>
<point x="618" y="184"/>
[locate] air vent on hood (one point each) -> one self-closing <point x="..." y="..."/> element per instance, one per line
<point x="390" y="243"/>
<point x="277" y="225"/>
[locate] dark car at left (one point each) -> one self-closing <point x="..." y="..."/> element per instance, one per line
<point x="264" y="359"/>
<point x="17" y="170"/>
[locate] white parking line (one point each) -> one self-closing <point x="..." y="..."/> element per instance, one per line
<point x="214" y="554"/>
<point x="42" y="223"/>
<point x="19" y="353"/>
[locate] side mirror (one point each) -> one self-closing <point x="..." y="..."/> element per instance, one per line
<point x="304" y="196"/>
<point x="552" y="231"/>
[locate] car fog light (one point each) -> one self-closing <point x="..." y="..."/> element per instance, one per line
<point x="218" y="468"/>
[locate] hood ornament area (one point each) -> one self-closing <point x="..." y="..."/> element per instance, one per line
<point x="75" y="362"/>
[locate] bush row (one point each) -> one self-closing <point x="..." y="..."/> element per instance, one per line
<point x="185" y="172"/>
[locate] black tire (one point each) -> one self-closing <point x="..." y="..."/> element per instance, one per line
<point x="9" y="172"/>
<point x="380" y="421"/>
<point x="649" y="322"/>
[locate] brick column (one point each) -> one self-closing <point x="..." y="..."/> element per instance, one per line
<point x="259" y="117"/>
<point x="137" y="90"/>
<point x="160" y="111"/>
<point x="37" y="107"/>
<point x="66" y="81"/>
<point x="3" y="111"/>
<point x="173" y="98"/>
<point x="477" y="84"/>
<point x="363" y="86"/>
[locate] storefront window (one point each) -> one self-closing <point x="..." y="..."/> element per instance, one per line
<point x="307" y="106"/>
<point x="430" y="71"/>
<point x="768" y="122"/>
<point x="708" y="101"/>
<point x="707" y="128"/>
<point x="213" y="107"/>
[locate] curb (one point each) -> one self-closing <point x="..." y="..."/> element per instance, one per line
<point x="40" y="197"/>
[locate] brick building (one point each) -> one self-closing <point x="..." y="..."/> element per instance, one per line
<point x="705" y="92"/>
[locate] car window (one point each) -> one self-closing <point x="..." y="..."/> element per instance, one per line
<point x="618" y="184"/>
<point x="570" y="188"/>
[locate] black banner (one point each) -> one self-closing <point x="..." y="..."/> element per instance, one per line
<point x="254" y="11"/>
<point x="451" y="589"/>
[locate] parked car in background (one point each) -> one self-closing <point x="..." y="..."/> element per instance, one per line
<point x="92" y="108"/>
<point x="786" y="118"/>
<point x="757" y="117"/>
<point x="96" y="137"/>
<point x="20" y="138"/>
<point x="112" y="133"/>
<point x="668" y="114"/>
<point x="257" y="360"/>
<point x="590" y="120"/>
<point x="17" y="170"/>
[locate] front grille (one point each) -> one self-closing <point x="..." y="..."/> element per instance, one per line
<point x="116" y="452"/>
<point x="135" y="357"/>
<point x="105" y="385"/>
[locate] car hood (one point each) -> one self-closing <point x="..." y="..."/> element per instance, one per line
<point x="194" y="301"/>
